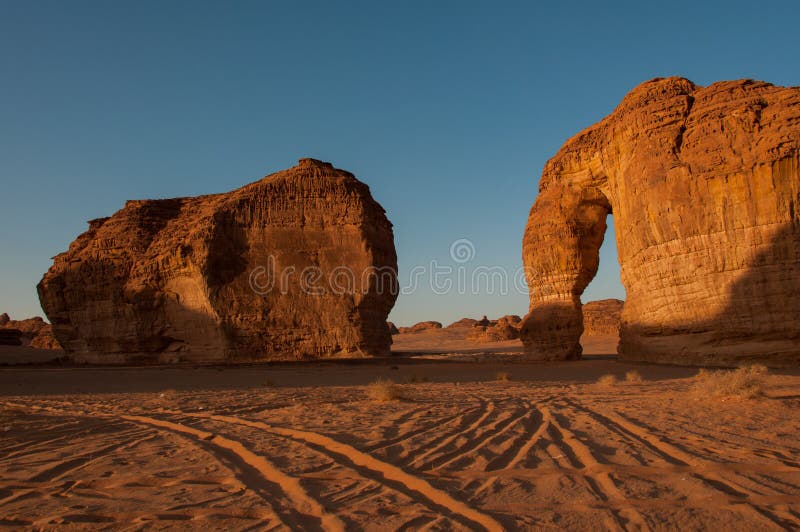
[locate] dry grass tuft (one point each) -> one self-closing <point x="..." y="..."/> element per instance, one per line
<point x="607" y="380"/>
<point x="746" y="382"/>
<point x="384" y="390"/>
<point x="503" y="376"/>
<point x="633" y="376"/>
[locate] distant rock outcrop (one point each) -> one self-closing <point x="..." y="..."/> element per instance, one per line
<point x="298" y="265"/>
<point x="392" y="328"/>
<point x="420" y="327"/>
<point x="704" y="186"/>
<point x="505" y="328"/>
<point x="10" y="337"/>
<point x="602" y="317"/>
<point x="463" y="322"/>
<point x="33" y="332"/>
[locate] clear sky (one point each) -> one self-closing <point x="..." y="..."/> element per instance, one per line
<point x="448" y="110"/>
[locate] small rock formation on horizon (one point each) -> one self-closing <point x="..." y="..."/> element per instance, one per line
<point x="420" y="327"/>
<point x="298" y="265"/>
<point x="463" y="322"/>
<point x="392" y="328"/>
<point x="33" y="332"/>
<point x="9" y="336"/>
<point x="602" y="317"/>
<point x="704" y="187"/>
<point x="504" y="328"/>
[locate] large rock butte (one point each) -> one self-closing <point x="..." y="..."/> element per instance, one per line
<point x="298" y="265"/>
<point x="704" y="186"/>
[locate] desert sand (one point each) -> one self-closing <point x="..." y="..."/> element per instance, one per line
<point x="472" y="444"/>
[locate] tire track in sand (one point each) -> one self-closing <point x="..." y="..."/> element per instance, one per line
<point x="601" y="482"/>
<point x="339" y="450"/>
<point x="675" y="455"/>
<point x="289" y="485"/>
<point x="305" y="508"/>
<point x="516" y="453"/>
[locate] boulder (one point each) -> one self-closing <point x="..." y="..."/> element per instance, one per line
<point x="602" y="317"/>
<point x="298" y="265"/>
<point x="704" y="187"/>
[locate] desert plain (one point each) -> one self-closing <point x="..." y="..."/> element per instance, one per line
<point x="467" y="438"/>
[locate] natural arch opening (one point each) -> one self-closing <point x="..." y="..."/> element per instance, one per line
<point x="602" y="300"/>
<point x="607" y="282"/>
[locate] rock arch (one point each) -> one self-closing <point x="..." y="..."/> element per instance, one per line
<point x="704" y="186"/>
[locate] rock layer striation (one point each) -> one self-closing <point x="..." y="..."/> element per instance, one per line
<point x="704" y="187"/>
<point x="602" y="317"/>
<point x="298" y="265"/>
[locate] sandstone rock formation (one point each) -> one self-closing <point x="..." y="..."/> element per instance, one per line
<point x="704" y="186"/>
<point x="420" y="327"/>
<point x="505" y="328"/>
<point x="34" y="332"/>
<point x="300" y="264"/>
<point x="463" y="322"/>
<point x="602" y="317"/>
<point x="10" y="337"/>
<point x="392" y="328"/>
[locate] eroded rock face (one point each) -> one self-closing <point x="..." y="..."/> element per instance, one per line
<point x="602" y="317"/>
<point x="704" y="186"/>
<point x="300" y="264"/>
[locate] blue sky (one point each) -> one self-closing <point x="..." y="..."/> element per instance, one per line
<point x="448" y="110"/>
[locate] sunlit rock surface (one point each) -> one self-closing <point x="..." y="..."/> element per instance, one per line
<point x="704" y="187"/>
<point x="300" y="264"/>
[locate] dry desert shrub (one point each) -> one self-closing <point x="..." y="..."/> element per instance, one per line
<point x="607" y="380"/>
<point x="384" y="390"/>
<point x="503" y="376"/>
<point x="746" y="382"/>
<point x="633" y="376"/>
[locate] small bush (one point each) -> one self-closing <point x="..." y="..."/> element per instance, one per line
<point x="633" y="376"/>
<point x="503" y="376"/>
<point x="384" y="390"/>
<point x="607" y="380"/>
<point x="744" y="383"/>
